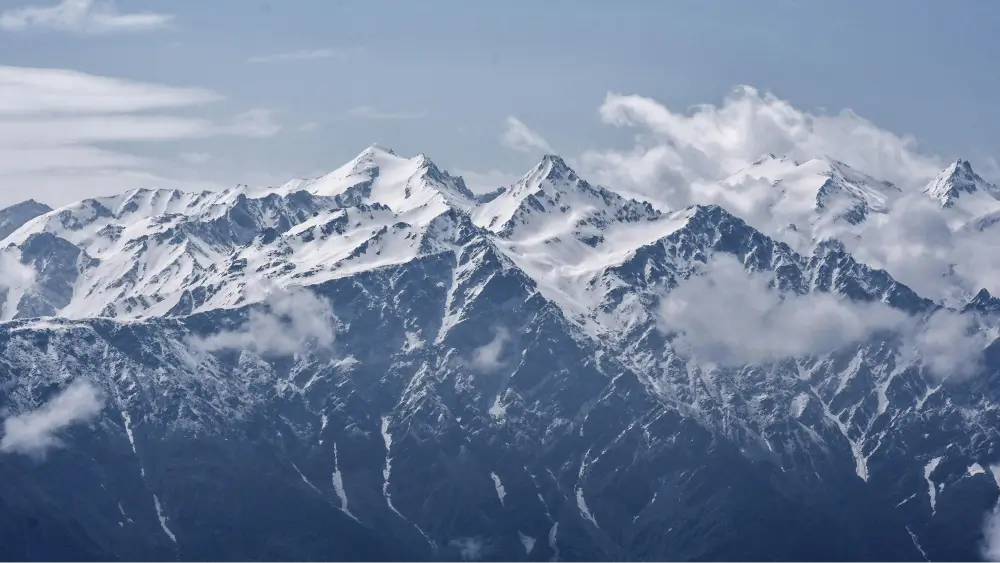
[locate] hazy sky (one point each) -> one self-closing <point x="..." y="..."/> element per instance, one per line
<point x="286" y="88"/>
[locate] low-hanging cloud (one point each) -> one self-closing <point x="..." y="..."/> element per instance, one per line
<point x="470" y="549"/>
<point x="918" y="247"/>
<point x="949" y="345"/>
<point x="487" y="358"/>
<point x="287" y="322"/>
<point x="13" y="273"/>
<point x="35" y="432"/>
<point x="991" y="537"/>
<point x="729" y="317"/>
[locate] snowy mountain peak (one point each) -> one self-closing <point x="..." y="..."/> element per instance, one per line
<point x="379" y="148"/>
<point x="11" y="218"/>
<point x="405" y="185"/>
<point x="769" y="157"/>
<point x="553" y="190"/>
<point x="957" y="179"/>
<point x="551" y="170"/>
<point x="807" y="202"/>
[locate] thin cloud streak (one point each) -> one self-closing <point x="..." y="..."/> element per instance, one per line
<point x="369" y="112"/>
<point x="81" y="16"/>
<point x="304" y="55"/>
<point x="519" y="137"/>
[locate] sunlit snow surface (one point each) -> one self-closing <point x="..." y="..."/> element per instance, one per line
<point x="585" y="267"/>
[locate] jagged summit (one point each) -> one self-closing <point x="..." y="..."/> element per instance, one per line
<point x="803" y="203"/>
<point x="13" y="217"/>
<point x="769" y="157"/>
<point x="405" y="185"/>
<point x="552" y="194"/>
<point x="499" y="360"/>
<point x="375" y="148"/>
<point x="958" y="181"/>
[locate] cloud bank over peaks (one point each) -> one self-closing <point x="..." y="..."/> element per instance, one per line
<point x="676" y="152"/>
<point x="916" y="243"/>
<point x="727" y="317"/>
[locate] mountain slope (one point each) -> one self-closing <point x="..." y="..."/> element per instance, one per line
<point x="497" y="383"/>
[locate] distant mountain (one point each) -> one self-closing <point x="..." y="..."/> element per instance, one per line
<point x="492" y="380"/>
<point x="13" y="217"/>
<point x="959" y="183"/>
<point x="815" y="200"/>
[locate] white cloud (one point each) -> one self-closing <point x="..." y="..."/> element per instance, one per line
<point x="676" y="150"/>
<point x="81" y="16"/>
<point x="369" y="112"/>
<point x="54" y="122"/>
<point x="678" y="159"/>
<point x="27" y="91"/>
<point x="486" y="358"/>
<point x="726" y="316"/>
<point x="14" y="274"/>
<point x="195" y="158"/>
<point x="991" y="537"/>
<point x="34" y="433"/>
<point x="915" y="243"/>
<point x="520" y="137"/>
<point x="470" y="549"/>
<point x="730" y="318"/>
<point x="950" y="345"/>
<point x="304" y="55"/>
<point x="258" y="122"/>
<point x="286" y="323"/>
<point x="309" y="126"/>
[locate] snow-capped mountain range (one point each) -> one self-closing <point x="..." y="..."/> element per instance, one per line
<point x="499" y="381"/>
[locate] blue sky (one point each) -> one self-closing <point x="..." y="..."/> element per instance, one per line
<point x="443" y="77"/>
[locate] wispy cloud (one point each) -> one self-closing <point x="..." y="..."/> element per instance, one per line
<point x="369" y="112"/>
<point x="487" y="358"/>
<point x="54" y="123"/>
<point x="990" y="548"/>
<point x="286" y="323"/>
<point x="35" y="432"/>
<point x="28" y="91"/>
<point x="470" y="549"/>
<point x="258" y="122"/>
<point x="520" y="137"/>
<point x="304" y="55"/>
<point x="728" y="317"/>
<point x="195" y="157"/>
<point x="13" y="273"/>
<point x="677" y="153"/>
<point x="81" y="16"/>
